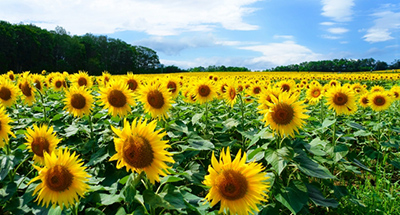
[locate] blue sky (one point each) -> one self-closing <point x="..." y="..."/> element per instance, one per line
<point x="257" y="34"/>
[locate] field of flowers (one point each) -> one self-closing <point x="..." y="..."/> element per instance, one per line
<point x="200" y="143"/>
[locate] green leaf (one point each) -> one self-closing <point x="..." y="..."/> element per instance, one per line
<point x="316" y="146"/>
<point x="258" y="154"/>
<point x="356" y="126"/>
<point x="179" y="126"/>
<point x="293" y="197"/>
<point x="107" y="199"/>
<point x="71" y="130"/>
<point x="121" y="211"/>
<point x="169" y="179"/>
<point x="175" y="198"/>
<point x="229" y="123"/>
<point x="362" y="133"/>
<point x="279" y="158"/>
<point x="6" y="164"/>
<point x="318" y="198"/>
<point x="196" y="118"/>
<point x="55" y="211"/>
<point x="93" y="211"/>
<point x="98" y="157"/>
<point x="311" y="168"/>
<point x="327" y="123"/>
<point x="263" y="134"/>
<point x="154" y="200"/>
<point x="129" y="191"/>
<point x="198" y="143"/>
<point x="358" y="163"/>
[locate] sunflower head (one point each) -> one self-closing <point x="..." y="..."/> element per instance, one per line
<point x="82" y="79"/>
<point x="78" y="101"/>
<point x="40" y="140"/>
<point x="342" y="100"/>
<point x="140" y="148"/>
<point x="237" y="185"/>
<point x="314" y="94"/>
<point x="63" y="179"/>
<point x="5" y="128"/>
<point x="230" y="95"/>
<point x="204" y="91"/>
<point x="8" y="92"/>
<point x="117" y="98"/>
<point x="285" y="114"/>
<point x="379" y="101"/>
<point x="173" y="87"/>
<point x="28" y="91"/>
<point x="156" y="100"/>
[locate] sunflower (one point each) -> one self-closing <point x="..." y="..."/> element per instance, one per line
<point x="173" y="87"/>
<point x="341" y="99"/>
<point x="8" y="92"/>
<point x="63" y="179"/>
<point x="363" y="101"/>
<point x="156" y="100"/>
<point x="379" y="101"/>
<point x="286" y="85"/>
<point x="10" y="75"/>
<point x="81" y="79"/>
<point x="314" y="94"/>
<point x="28" y="91"/>
<point x="358" y="89"/>
<point x="5" y="128"/>
<point x="132" y="81"/>
<point x="334" y="83"/>
<point x="377" y="88"/>
<point x="37" y="81"/>
<point x="239" y="186"/>
<point x="395" y="90"/>
<point x="58" y="82"/>
<point x="285" y="114"/>
<point x="140" y="148"/>
<point x="230" y="95"/>
<point x="204" y="91"/>
<point x="39" y="140"/>
<point x="105" y="78"/>
<point x="78" y="101"/>
<point x="255" y="90"/>
<point x="117" y="98"/>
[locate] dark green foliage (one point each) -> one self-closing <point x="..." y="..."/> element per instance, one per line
<point x="30" y="48"/>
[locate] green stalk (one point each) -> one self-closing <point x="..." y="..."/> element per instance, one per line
<point x="91" y="126"/>
<point x="44" y="108"/>
<point x="206" y="116"/>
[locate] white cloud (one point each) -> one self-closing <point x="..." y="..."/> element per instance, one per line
<point x="327" y="23"/>
<point x="338" y="30"/>
<point x="338" y="10"/>
<point x="385" y="23"/>
<point x="285" y="53"/>
<point x="285" y="37"/>
<point x="331" y="37"/>
<point x="157" y="17"/>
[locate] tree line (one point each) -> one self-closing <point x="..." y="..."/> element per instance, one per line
<point x="340" y="65"/>
<point x="30" y="48"/>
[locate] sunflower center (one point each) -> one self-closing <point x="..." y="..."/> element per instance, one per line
<point x="58" y="84"/>
<point x="240" y="88"/>
<point x="59" y="178"/>
<point x="396" y="95"/>
<point x="232" y="93"/>
<point x="155" y="99"/>
<point x="316" y="93"/>
<point x="132" y="84"/>
<point x="39" y="145"/>
<point x="379" y="101"/>
<point x="11" y="76"/>
<point x="232" y="185"/>
<point x="5" y="93"/>
<point x="116" y="98"/>
<point x="256" y="90"/>
<point x="204" y="90"/>
<point x="26" y="90"/>
<point x="285" y="88"/>
<point x="138" y="152"/>
<point x="82" y="81"/>
<point x="171" y="86"/>
<point x="223" y="90"/>
<point x="282" y="114"/>
<point x="340" y="99"/>
<point x="78" y="101"/>
<point x="364" y="100"/>
<point x="38" y="85"/>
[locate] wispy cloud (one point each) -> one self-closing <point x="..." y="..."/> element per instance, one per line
<point x="338" y="30"/>
<point x="284" y="53"/>
<point x="385" y="23"/>
<point x="157" y="17"/>
<point x="327" y="23"/>
<point x="338" y="10"/>
<point x="285" y="37"/>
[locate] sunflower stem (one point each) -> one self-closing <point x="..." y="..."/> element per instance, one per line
<point x="44" y="108"/>
<point x="206" y="117"/>
<point x="91" y="126"/>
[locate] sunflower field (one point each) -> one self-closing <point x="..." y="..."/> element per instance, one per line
<point x="200" y="143"/>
